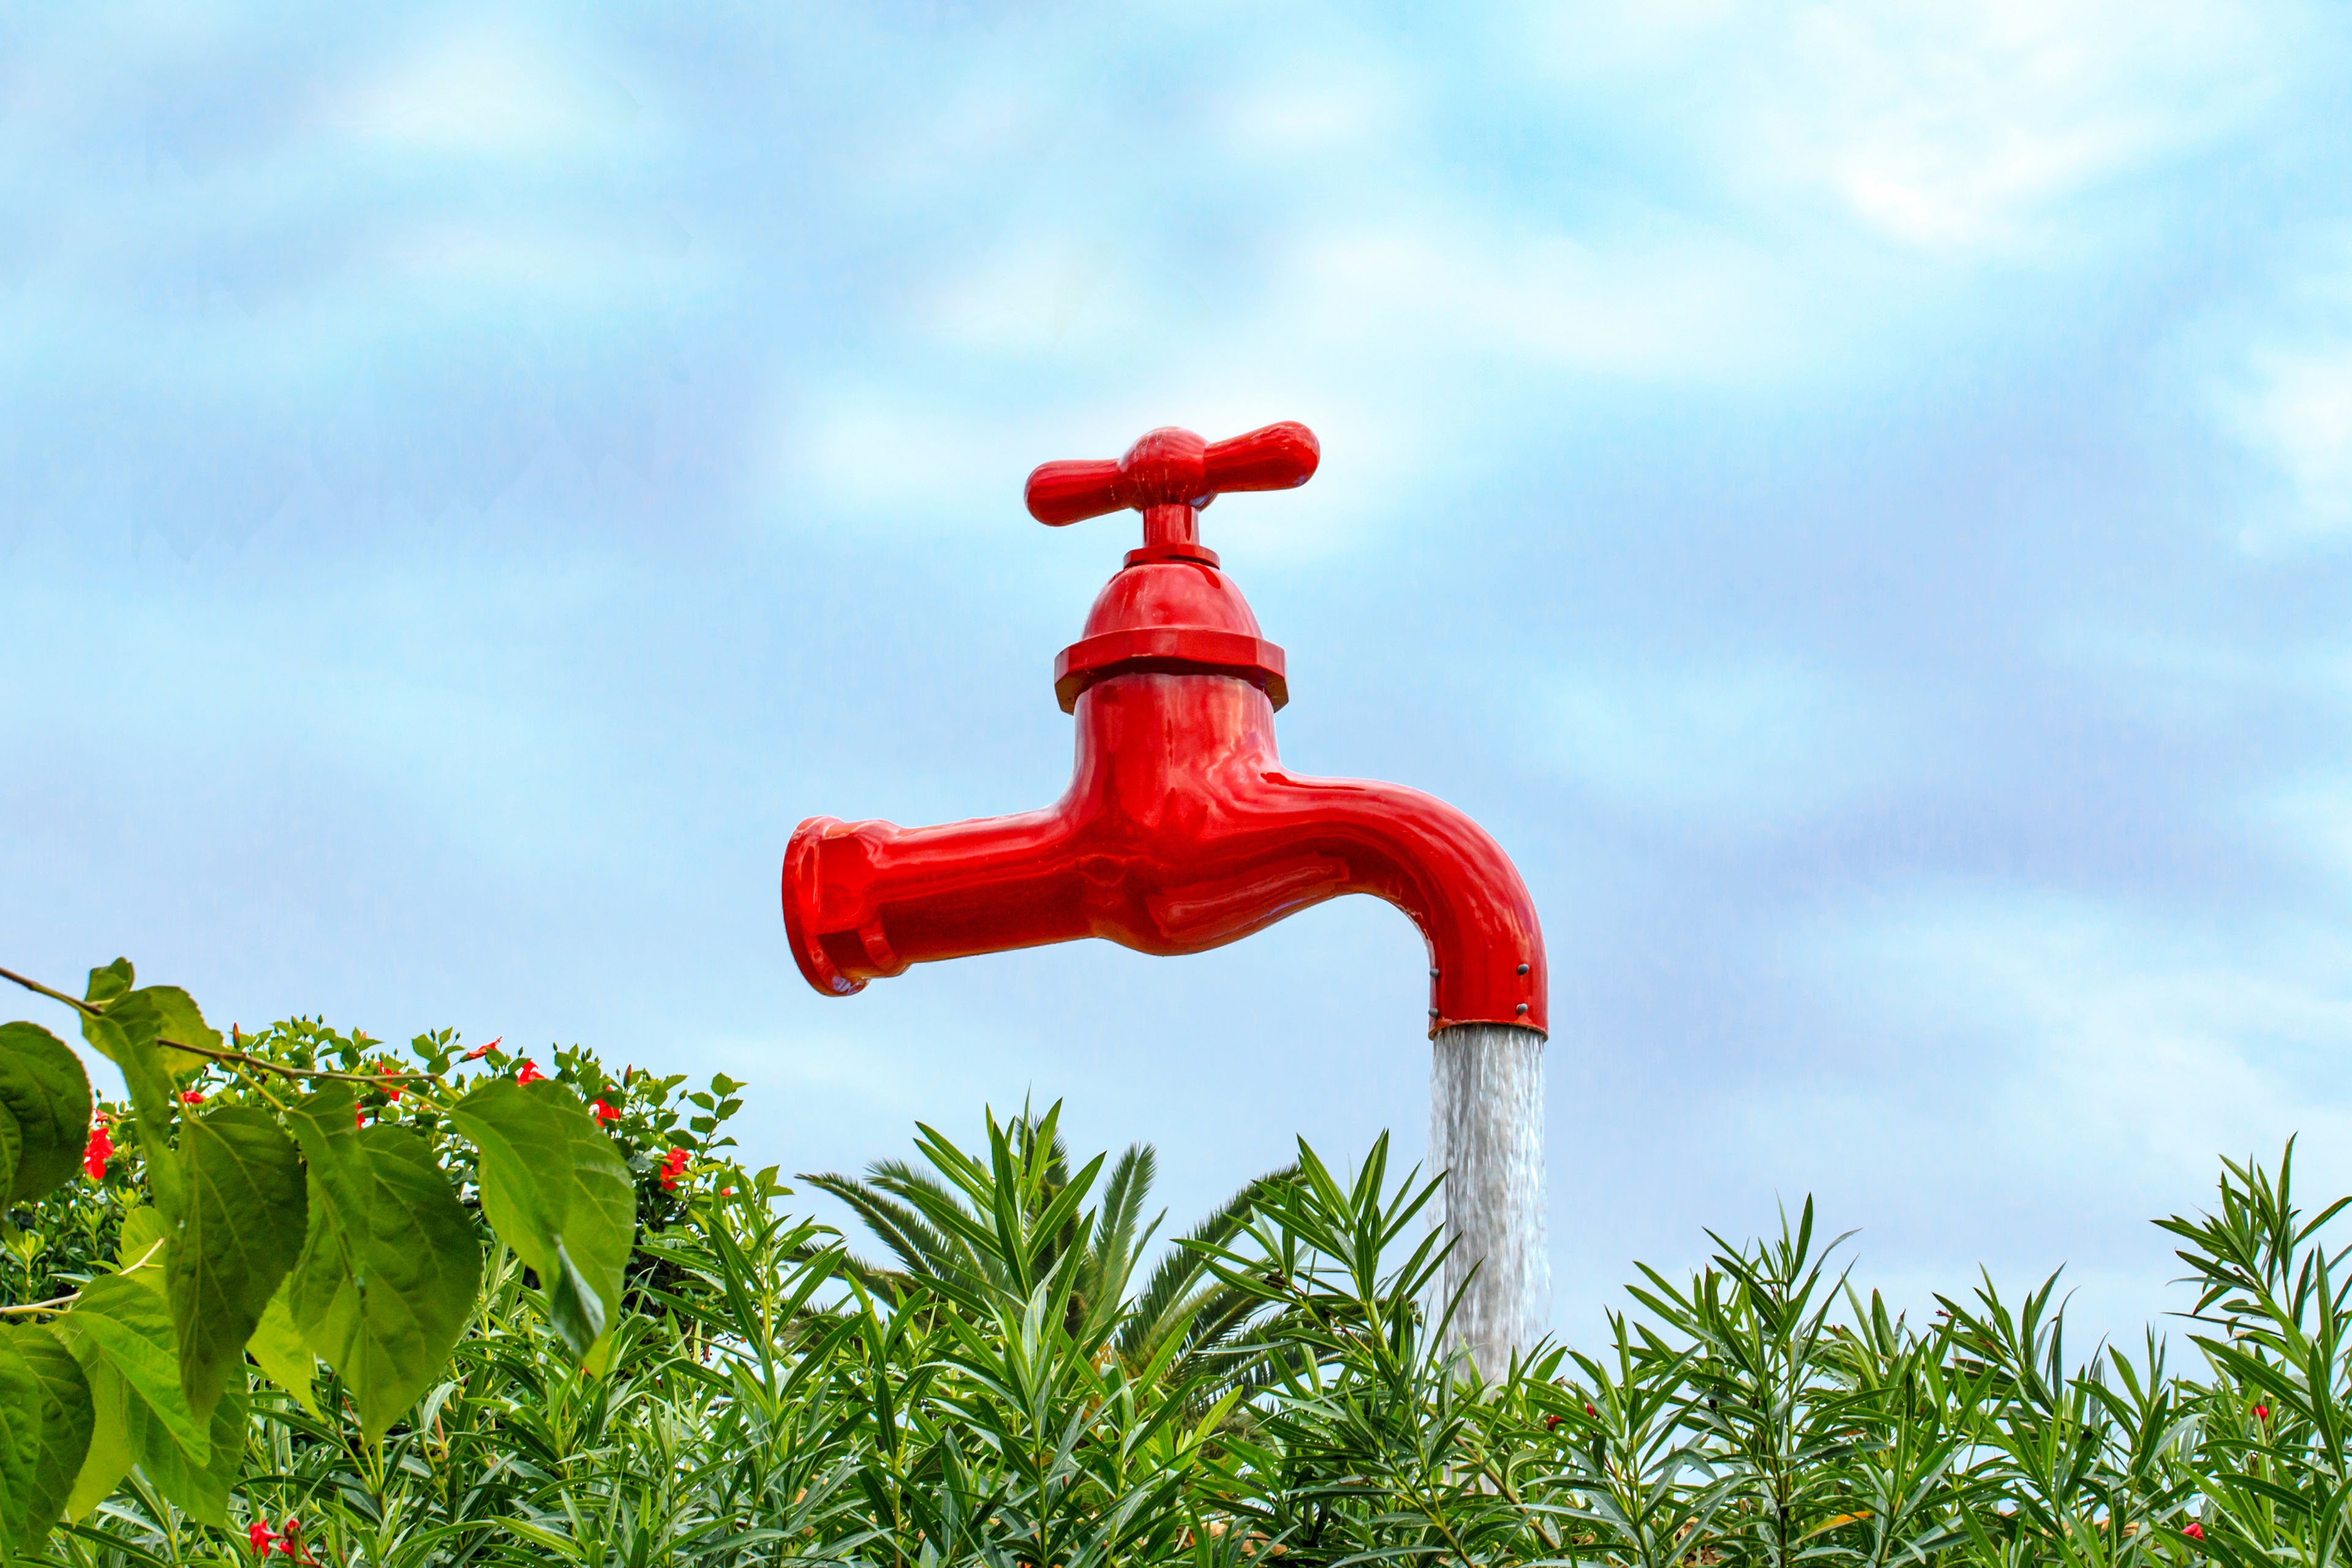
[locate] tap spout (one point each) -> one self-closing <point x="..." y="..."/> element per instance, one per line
<point x="1181" y="831"/>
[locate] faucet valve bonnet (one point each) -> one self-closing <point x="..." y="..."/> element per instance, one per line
<point x="1171" y="609"/>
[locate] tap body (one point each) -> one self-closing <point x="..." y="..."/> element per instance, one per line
<point x="1181" y="831"/>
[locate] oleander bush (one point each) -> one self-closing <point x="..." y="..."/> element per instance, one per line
<point x="648" y="1355"/>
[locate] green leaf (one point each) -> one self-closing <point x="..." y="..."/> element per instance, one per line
<point x="392" y="1263"/>
<point x="200" y="1490"/>
<point x="154" y="1014"/>
<point x="125" y="1320"/>
<point x="66" y="1420"/>
<point x="107" y="984"/>
<point x="138" y="1250"/>
<point x="600" y="1222"/>
<point x="139" y="1254"/>
<point x="531" y="1168"/>
<point x="20" y="1437"/>
<point x="108" y="1459"/>
<point x="12" y="1145"/>
<point x="46" y="1093"/>
<point x="156" y="1107"/>
<point x="243" y="1232"/>
<point x="284" y="1356"/>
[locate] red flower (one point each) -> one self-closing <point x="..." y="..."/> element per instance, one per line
<point x="359" y="1117"/>
<point x="603" y="1112"/>
<point x="2262" y="1412"/>
<point x="672" y="1167"/>
<point x="1591" y="1412"/>
<point x="263" y="1537"/>
<point x="391" y="1089"/>
<point x="1551" y="1423"/>
<point x="478" y="1052"/>
<point x="529" y="1072"/>
<point x="100" y="1150"/>
<point x="2194" y="1530"/>
<point x="192" y="1097"/>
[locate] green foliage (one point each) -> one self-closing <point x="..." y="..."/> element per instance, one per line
<point x="278" y="1221"/>
<point x="471" y="1352"/>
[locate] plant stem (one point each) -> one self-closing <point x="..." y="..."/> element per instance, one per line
<point x="215" y="1052"/>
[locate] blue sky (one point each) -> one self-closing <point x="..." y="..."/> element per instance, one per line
<point x="1855" y="496"/>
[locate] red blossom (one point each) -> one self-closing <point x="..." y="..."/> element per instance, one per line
<point x="478" y="1052"/>
<point x="262" y="1537"/>
<point x="1591" y="1412"/>
<point x="603" y="1112"/>
<point x="672" y="1165"/>
<point x="529" y="1072"/>
<point x="2262" y="1412"/>
<point x="100" y="1150"/>
<point x="192" y="1097"/>
<point x="391" y="1089"/>
<point x="1551" y="1423"/>
<point x="2194" y="1530"/>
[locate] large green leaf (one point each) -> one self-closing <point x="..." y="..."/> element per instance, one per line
<point x="114" y="980"/>
<point x="12" y="1145"/>
<point x="66" y="1420"/>
<point x="557" y="1192"/>
<point x="282" y="1353"/>
<point x="108" y="1459"/>
<point x="156" y="1107"/>
<point x="138" y="1254"/>
<point x="20" y="1437"/>
<point x="156" y="1014"/>
<point x="600" y="1223"/>
<point x="392" y="1263"/>
<point x="243" y="1232"/>
<point x="45" y="1090"/>
<point x="200" y="1490"/>
<point x="125" y="1321"/>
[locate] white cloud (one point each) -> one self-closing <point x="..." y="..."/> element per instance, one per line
<point x="485" y="90"/>
<point x="1953" y="128"/>
<point x="1754" y="745"/>
<point x="2298" y="417"/>
<point x="1686" y="306"/>
<point x="2066" y="1041"/>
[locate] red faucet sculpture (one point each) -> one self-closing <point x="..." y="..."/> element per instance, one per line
<point x="1181" y="831"/>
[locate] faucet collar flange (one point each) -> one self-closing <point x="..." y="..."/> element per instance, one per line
<point x="1169" y="650"/>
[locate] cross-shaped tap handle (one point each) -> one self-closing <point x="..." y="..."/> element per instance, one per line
<point x="1170" y="475"/>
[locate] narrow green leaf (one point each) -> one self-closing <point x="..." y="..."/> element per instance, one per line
<point x="392" y="1263"/>
<point x="284" y="1356"/>
<point x="243" y="1232"/>
<point x="65" y="1421"/>
<point x="45" y="1093"/>
<point x="20" y="1437"/>
<point x="127" y="1322"/>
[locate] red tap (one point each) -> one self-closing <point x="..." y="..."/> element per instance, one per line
<point x="1180" y="830"/>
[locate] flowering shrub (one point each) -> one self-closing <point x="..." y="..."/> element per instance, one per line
<point x="1018" y="1383"/>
